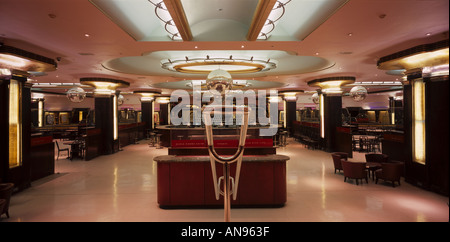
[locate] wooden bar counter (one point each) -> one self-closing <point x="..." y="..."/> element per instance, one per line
<point x="186" y="181"/>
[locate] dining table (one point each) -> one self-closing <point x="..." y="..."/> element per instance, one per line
<point x="74" y="148"/>
<point x="372" y="167"/>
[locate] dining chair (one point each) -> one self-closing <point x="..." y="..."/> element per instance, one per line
<point x="354" y="170"/>
<point x="390" y="172"/>
<point x="61" y="150"/>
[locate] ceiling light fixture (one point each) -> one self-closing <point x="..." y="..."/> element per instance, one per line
<point x="21" y="60"/>
<point x="332" y="85"/>
<point x="277" y="11"/>
<point x="165" y="10"/>
<point x="147" y="95"/>
<point x="290" y="95"/>
<point x="104" y="86"/>
<point x="233" y="65"/>
<point x="421" y="56"/>
<point x="237" y="84"/>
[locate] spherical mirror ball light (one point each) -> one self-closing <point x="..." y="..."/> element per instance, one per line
<point x="120" y="100"/>
<point x="219" y="82"/>
<point x="76" y="95"/>
<point x="358" y="93"/>
<point x="316" y="98"/>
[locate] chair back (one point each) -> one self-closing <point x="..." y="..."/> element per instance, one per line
<point x="356" y="170"/>
<point x="392" y="171"/>
<point x="378" y="158"/>
<point x="337" y="161"/>
<point x="343" y="155"/>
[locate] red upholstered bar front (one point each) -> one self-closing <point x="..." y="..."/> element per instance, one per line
<point x="187" y="181"/>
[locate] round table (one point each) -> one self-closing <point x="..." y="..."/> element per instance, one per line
<point x="372" y="167"/>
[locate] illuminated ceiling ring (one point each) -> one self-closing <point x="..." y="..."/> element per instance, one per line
<point x="237" y="84"/>
<point x="332" y="85"/>
<point x="332" y="81"/>
<point x="17" y="59"/>
<point x="147" y="95"/>
<point x="104" y="86"/>
<point x="434" y="54"/>
<point x="208" y="64"/>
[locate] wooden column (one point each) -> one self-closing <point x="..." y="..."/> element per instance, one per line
<point x="104" y="122"/>
<point x="432" y="174"/>
<point x="291" y="107"/>
<point x="19" y="173"/>
<point x="147" y="114"/>
<point x="333" y="119"/>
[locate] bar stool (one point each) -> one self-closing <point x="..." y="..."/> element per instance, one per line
<point x="152" y="139"/>
<point x="158" y="141"/>
<point x="283" y="138"/>
<point x="275" y="140"/>
<point x="147" y="134"/>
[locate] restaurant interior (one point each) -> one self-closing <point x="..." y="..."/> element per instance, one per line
<point x="356" y="91"/>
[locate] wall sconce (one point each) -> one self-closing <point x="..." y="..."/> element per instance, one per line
<point x="39" y="99"/>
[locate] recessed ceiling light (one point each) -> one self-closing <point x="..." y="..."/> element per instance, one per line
<point x="87" y="35"/>
<point x="242" y="47"/>
<point x="317" y="53"/>
<point x="428" y="34"/>
<point x="350" y="34"/>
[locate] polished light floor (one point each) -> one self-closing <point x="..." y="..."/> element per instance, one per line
<point x="122" y="187"/>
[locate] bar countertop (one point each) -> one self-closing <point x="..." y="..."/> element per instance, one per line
<point x="262" y="158"/>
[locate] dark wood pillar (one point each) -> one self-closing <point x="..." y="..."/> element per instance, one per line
<point x="147" y="114"/>
<point x="104" y="114"/>
<point x="19" y="173"/>
<point x="164" y="113"/>
<point x="432" y="174"/>
<point x="4" y="135"/>
<point x="291" y="108"/>
<point x="332" y="120"/>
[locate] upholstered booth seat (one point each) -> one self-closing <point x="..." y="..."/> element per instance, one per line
<point x="354" y="170"/>
<point x="5" y="194"/>
<point x="390" y="172"/>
